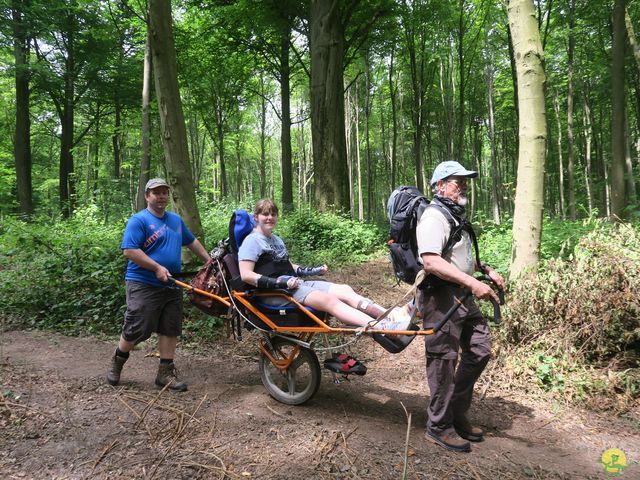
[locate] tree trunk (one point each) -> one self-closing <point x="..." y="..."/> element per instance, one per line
<point x="348" y="132"/>
<point x="116" y="138"/>
<point x="145" y="161"/>
<point x="239" y="182"/>
<point x="93" y="158"/>
<point x="588" y="136"/>
<point x="556" y="106"/>
<point x="224" y="188"/>
<point x="628" y="170"/>
<point x="22" y="139"/>
<point x="357" y="153"/>
<point x="514" y="80"/>
<point x="393" y="89"/>
<point x="527" y="222"/>
<point x="570" y="158"/>
<point x="263" y="151"/>
<point x="285" y="131"/>
<point x="417" y="84"/>
<point x="459" y="148"/>
<point x="618" y="190"/>
<point x="327" y="106"/>
<point x="67" y="182"/>
<point x="174" y="133"/>
<point x="367" y="138"/>
<point x="495" y="179"/>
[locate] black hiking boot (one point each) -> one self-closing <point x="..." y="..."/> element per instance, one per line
<point x="113" y="375"/>
<point x="168" y="374"/>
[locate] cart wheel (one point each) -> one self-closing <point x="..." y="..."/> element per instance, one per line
<point x="301" y="380"/>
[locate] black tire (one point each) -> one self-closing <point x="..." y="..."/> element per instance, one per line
<point x="301" y="381"/>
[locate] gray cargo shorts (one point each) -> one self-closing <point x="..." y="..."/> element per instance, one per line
<point x="151" y="309"/>
<point x="308" y="286"/>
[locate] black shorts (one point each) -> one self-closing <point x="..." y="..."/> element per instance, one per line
<point x="151" y="309"/>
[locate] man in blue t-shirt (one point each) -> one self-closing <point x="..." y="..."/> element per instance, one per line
<point x="153" y="241"/>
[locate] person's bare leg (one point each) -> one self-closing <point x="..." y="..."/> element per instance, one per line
<point x="167" y="346"/>
<point x="125" y="346"/>
<point x="354" y="300"/>
<point x="327" y="302"/>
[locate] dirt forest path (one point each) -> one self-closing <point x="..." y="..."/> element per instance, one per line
<point x="60" y="420"/>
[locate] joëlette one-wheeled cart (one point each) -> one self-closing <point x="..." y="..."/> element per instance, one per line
<point x="289" y="366"/>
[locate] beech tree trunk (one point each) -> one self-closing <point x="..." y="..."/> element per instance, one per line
<point x="263" y="137"/>
<point x="66" y="113"/>
<point x="495" y="180"/>
<point x="570" y="158"/>
<point x="618" y="190"/>
<point x="327" y="106"/>
<point x="224" y="188"/>
<point x="527" y="221"/>
<point x="556" y="107"/>
<point x="588" y="138"/>
<point x="393" y="89"/>
<point x="356" y="149"/>
<point x="174" y="132"/>
<point x="459" y="147"/>
<point x="285" y="130"/>
<point x="22" y="139"/>
<point x="145" y="161"/>
<point x="415" y="45"/>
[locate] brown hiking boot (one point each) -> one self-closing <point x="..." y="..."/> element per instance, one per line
<point x="468" y="431"/>
<point x="113" y="375"/>
<point x="168" y="374"/>
<point x="450" y="441"/>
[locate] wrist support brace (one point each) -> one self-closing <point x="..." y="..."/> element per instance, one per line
<point x="270" y="283"/>
<point x="308" y="271"/>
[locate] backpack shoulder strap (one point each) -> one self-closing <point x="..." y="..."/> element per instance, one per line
<point x="457" y="227"/>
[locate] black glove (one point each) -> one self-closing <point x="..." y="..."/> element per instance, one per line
<point x="309" y="271"/>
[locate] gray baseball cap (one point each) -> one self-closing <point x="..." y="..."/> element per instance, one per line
<point x="449" y="169"/>
<point x="155" y="183"/>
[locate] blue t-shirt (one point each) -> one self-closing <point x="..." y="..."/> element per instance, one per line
<point x="161" y="239"/>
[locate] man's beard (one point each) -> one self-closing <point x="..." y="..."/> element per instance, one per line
<point x="462" y="200"/>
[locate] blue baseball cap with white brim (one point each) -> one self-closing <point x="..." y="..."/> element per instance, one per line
<point x="450" y="168"/>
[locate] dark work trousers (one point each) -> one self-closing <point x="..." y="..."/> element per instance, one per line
<point x="464" y="336"/>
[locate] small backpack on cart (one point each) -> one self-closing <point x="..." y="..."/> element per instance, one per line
<point x="221" y="272"/>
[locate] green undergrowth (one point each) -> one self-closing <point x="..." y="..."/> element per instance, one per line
<point x="311" y="237"/>
<point x="573" y="331"/>
<point x="63" y="275"/>
<point x="68" y="275"/>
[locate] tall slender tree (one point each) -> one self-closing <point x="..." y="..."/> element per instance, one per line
<point x="145" y="161"/>
<point x="618" y="185"/>
<point x="527" y="221"/>
<point x="174" y="132"/>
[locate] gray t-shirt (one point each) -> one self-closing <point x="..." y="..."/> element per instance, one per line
<point x="255" y="244"/>
<point x="432" y="233"/>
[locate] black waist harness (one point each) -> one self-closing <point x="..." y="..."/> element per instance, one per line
<point x="267" y="266"/>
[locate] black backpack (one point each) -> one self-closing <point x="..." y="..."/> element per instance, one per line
<point x="404" y="208"/>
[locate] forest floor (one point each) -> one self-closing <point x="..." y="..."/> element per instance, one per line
<point x="60" y="420"/>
